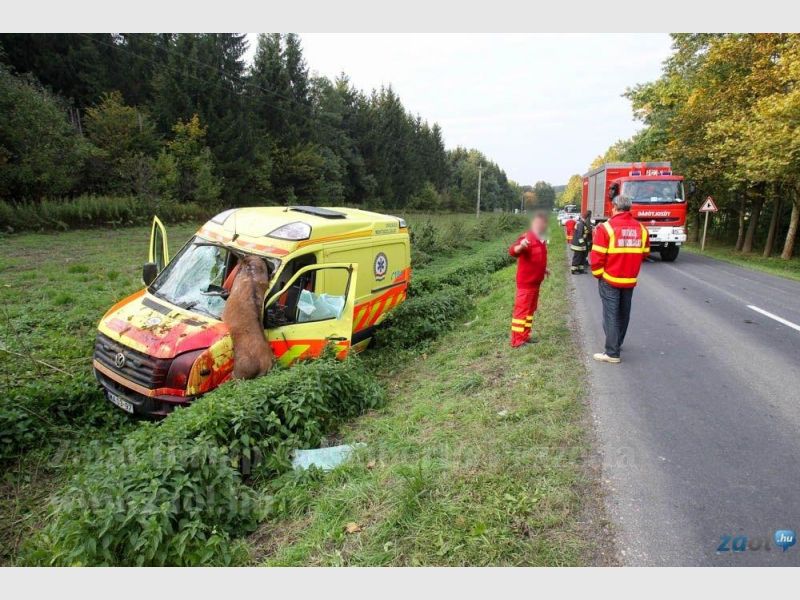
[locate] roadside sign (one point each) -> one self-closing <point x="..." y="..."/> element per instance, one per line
<point x="708" y="205"/>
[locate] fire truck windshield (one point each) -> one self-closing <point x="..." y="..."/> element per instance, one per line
<point x="653" y="192"/>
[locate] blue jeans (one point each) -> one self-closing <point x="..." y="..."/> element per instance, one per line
<point x="616" y="315"/>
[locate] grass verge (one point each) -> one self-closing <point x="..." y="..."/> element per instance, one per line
<point x="774" y="265"/>
<point x="479" y="457"/>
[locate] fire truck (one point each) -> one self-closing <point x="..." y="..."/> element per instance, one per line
<point x="658" y="198"/>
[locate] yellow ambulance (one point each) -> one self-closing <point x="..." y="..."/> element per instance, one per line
<point x="335" y="274"/>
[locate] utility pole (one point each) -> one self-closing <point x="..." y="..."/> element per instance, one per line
<point x="478" y="206"/>
<point x="522" y="203"/>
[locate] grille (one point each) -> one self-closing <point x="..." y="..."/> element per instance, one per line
<point x="647" y="220"/>
<point x="139" y="368"/>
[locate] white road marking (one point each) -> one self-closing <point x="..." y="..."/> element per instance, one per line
<point x="781" y="320"/>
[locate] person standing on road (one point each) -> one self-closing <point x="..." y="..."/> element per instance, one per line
<point x="569" y="229"/>
<point x="579" y="247"/>
<point x="531" y="253"/>
<point x="620" y="245"/>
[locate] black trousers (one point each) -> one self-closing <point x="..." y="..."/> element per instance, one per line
<point x="578" y="260"/>
<point x="616" y="315"/>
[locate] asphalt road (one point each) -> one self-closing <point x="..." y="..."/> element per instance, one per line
<point x="699" y="426"/>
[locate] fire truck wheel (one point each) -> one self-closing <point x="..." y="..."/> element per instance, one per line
<point x="670" y="253"/>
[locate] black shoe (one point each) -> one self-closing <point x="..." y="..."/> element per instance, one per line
<point x="531" y="341"/>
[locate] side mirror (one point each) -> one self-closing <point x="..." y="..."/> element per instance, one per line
<point x="149" y="273"/>
<point x="692" y="187"/>
<point x="613" y="191"/>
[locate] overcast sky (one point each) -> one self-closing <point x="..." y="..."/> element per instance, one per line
<point x="542" y="106"/>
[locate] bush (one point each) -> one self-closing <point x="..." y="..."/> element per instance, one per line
<point x="428" y="198"/>
<point x="454" y="235"/>
<point x="419" y="258"/>
<point x="173" y="493"/>
<point x="470" y="273"/>
<point x="31" y="413"/>
<point x="425" y="238"/>
<point x="424" y="318"/>
<point x="95" y="211"/>
<point x="40" y="152"/>
<point x="149" y="501"/>
<point x="436" y="302"/>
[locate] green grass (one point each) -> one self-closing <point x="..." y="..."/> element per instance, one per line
<point x="774" y="265"/>
<point x="478" y="458"/>
<point x="54" y="288"/>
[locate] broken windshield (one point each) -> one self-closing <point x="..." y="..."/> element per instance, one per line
<point x="195" y="278"/>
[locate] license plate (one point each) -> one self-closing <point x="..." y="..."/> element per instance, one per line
<point x="121" y="402"/>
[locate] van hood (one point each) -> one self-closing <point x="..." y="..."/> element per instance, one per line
<point x="158" y="328"/>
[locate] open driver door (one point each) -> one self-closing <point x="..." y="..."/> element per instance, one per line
<point x="157" y="252"/>
<point x="314" y="309"/>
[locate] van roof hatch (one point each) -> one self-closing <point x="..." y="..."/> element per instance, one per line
<point x="325" y="213"/>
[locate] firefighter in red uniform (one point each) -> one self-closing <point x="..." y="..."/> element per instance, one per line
<point x="531" y="254"/>
<point x="569" y="228"/>
<point x="619" y="247"/>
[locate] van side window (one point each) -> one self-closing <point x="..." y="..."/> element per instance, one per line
<point x="284" y="311"/>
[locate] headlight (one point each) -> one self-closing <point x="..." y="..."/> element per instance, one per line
<point x="178" y="374"/>
<point x="677" y="230"/>
<point x="292" y="231"/>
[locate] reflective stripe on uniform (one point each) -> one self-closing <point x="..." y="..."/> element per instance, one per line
<point x="638" y="250"/>
<point x="599" y="271"/>
<point x="518" y="321"/>
<point x="613" y="279"/>
<point x="600" y="249"/>
<point x="518" y="329"/>
<point x="612" y="246"/>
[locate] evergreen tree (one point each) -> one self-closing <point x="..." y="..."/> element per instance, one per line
<point x="125" y="144"/>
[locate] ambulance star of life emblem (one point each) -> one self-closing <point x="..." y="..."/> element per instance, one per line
<point x="381" y="266"/>
<point x="119" y="360"/>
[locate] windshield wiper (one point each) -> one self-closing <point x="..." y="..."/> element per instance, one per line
<point x="186" y="305"/>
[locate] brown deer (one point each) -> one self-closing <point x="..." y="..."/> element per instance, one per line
<point x="252" y="355"/>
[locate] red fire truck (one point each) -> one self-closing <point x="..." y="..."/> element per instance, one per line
<point x="659" y="202"/>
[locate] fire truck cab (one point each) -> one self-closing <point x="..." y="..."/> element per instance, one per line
<point x="658" y="197"/>
<point x="335" y="274"/>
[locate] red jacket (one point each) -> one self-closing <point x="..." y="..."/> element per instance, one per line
<point x="531" y="261"/>
<point x="618" y="249"/>
<point x="569" y="229"/>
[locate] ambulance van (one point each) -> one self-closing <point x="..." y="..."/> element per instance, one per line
<point x="335" y="274"/>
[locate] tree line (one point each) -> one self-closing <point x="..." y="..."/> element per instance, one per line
<point x="182" y="117"/>
<point x="726" y="112"/>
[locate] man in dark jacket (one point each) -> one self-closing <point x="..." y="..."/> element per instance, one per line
<point x="579" y="246"/>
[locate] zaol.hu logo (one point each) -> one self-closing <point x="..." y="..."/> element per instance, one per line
<point x="783" y="538"/>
